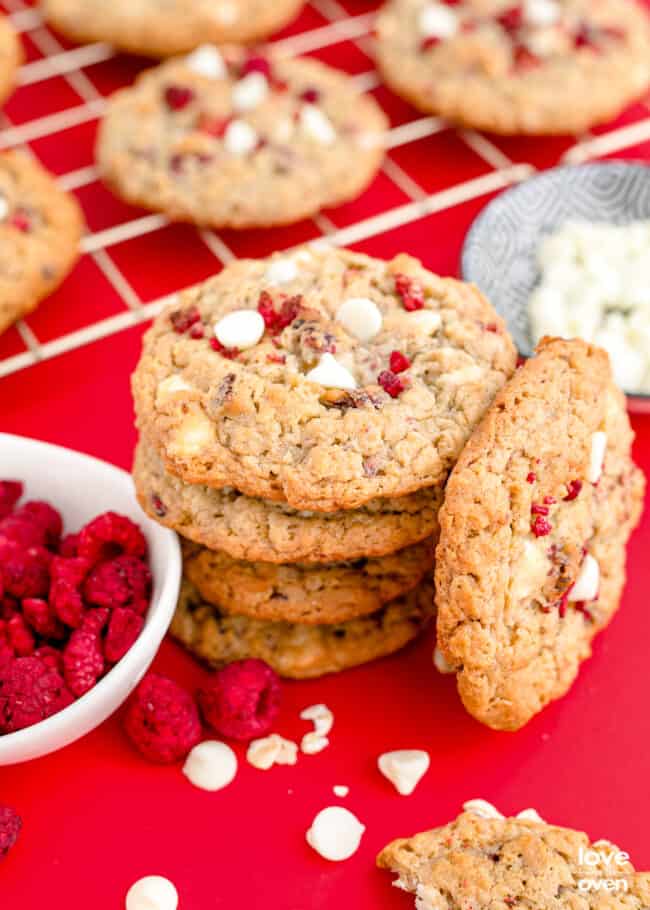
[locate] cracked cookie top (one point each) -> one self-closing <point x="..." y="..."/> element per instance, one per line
<point x="325" y="378"/>
<point x="537" y="514"/>
<point x="537" y="66"/>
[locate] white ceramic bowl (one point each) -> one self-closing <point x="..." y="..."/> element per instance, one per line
<point x="81" y="488"/>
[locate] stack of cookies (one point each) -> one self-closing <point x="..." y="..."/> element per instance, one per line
<point x="299" y="417"/>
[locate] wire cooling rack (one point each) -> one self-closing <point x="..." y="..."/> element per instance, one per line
<point x="134" y="263"/>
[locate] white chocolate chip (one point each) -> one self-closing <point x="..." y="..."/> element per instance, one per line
<point x="426" y="322"/>
<point x="4" y="207"/>
<point x="530" y="815"/>
<point x="541" y="13"/>
<point x="207" y="61"/>
<point x="250" y="92"/>
<point x="170" y="387"/>
<point x="404" y="768"/>
<point x="240" y="138"/>
<point x="321" y="717"/>
<point x="588" y="581"/>
<point x="194" y="434"/>
<point x="340" y="790"/>
<point x="240" y="329"/>
<point x="482" y="808"/>
<point x="335" y="833"/>
<point x="211" y="766"/>
<point x="530" y="573"/>
<point x="331" y="374"/>
<point x="360" y="317"/>
<point x="281" y="271"/>
<point x="313" y="743"/>
<point x="441" y="664"/>
<point x="463" y="375"/>
<point x="317" y="125"/>
<point x="152" y="893"/>
<point x="437" y="21"/>
<point x="272" y="750"/>
<point x="597" y="460"/>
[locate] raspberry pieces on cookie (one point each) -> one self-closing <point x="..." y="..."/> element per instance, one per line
<point x="534" y="527"/>
<point x="310" y="411"/>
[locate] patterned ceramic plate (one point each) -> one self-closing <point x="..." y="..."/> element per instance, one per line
<point x="500" y="250"/>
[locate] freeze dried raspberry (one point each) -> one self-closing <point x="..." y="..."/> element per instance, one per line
<point x="541" y="526"/>
<point x="289" y="311"/>
<point x="21" y="532"/>
<point x="183" y="320"/>
<point x="108" y="535"/>
<point x="10" y="825"/>
<point x="390" y="383"/>
<point x="512" y="19"/>
<point x="95" y="620"/>
<point x="25" y="573"/>
<point x="121" y="582"/>
<point x="410" y="291"/>
<point x="214" y="126"/>
<point x="51" y="657"/>
<point x="42" y="618"/>
<point x="20" y="637"/>
<point x="267" y="311"/>
<point x="69" y="545"/>
<point x="310" y="96"/>
<point x="574" y="488"/>
<point x="228" y="353"/>
<point x="30" y="691"/>
<point x="162" y="720"/>
<point x="525" y="59"/>
<point x="242" y="700"/>
<point x="430" y="42"/>
<point x="178" y="97"/>
<point x="399" y="362"/>
<point x="531" y="477"/>
<point x="83" y="661"/>
<point x="21" y="221"/>
<point x="257" y="64"/>
<point x="10" y="493"/>
<point x="68" y="576"/>
<point x="123" y="629"/>
<point x="44" y="517"/>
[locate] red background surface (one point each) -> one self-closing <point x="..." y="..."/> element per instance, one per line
<point x="97" y="817"/>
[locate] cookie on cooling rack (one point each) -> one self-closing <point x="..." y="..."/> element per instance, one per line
<point x="296" y="650"/>
<point x="534" y="527"/>
<point x="230" y="139"/>
<point x="326" y="379"/>
<point x="11" y="56"/>
<point x="161" y="28"/>
<point x="537" y="66"/>
<point x="483" y="860"/>
<point x="40" y="229"/>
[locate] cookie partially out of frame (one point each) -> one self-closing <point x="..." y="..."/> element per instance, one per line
<point x="161" y="28"/>
<point x="300" y="593"/>
<point x="537" y="515"/>
<point x="485" y="861"/>
<point x="40" y="230"/>
<point x="237" y="140"/>
<point x="537" y="66"/>
<point x="338" y="380"/>
<point x="11" y="56"/>
<point x="295" y="650"/>
<point x="258" y="530"/>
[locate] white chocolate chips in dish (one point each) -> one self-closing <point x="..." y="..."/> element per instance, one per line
<point x="595" y="284"/>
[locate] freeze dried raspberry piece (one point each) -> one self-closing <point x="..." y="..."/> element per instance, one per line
<point x="95" y="620"/>
<point x="42" y="618"/>
<point x="110" y="535"/>
<point x="162" y="720"/>
<point x="121" y="582"/>
<point x="23" y="533"/>
<point x="242" y="700"/>
<point x="10" y="826"/>
<point x="10" y="493"/>
<point x="24" y="573"/>
<point x="20" y="637"/>
<point x="50" y="657"/>
<point x="123" y="630"/>
<point x="68" y="576"/>
<point x="83" y="661"/>
<point x="69" y="545"/>
<point x="30" y="691"/>
<point x="410" y="291"/>
<point x="45" y="518"/>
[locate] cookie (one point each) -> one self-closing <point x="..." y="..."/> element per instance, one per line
<point x="256" y="530"/>
<point x="485" y="861"/>
<point x="40" y="229"/>
<point x="161" y="28"/>
<point x="537" y="514"/>
<point x="327" y="379"/>
<point x="239" y="141"/>
<point x="11" y="56"/>
<point x="539" y="66"/>
<point x="299" y="651"/>
<point x="299" y="593"/>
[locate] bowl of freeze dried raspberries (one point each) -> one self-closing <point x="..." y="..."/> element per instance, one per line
<point x="88" y="587"/>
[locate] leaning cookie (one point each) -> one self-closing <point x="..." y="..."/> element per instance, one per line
<point x="257" y="530"/>
<point x="539" y="66"/>
<point x="161" y="28"/>
<point x="236" y="140"/>
<point x="325" y="379"/>
<point x="299" y="651"/>
<point x="40" y="230"/>
<point x="313" y="594"/>
<point x="11" y="56"/>
<point x="484" y="861"/>
<point x="537" y="514"/>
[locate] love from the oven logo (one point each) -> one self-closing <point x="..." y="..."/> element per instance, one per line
<point x="609" y="867"/>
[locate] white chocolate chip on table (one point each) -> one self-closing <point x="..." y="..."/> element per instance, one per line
<point x="335" y="833"/>
<point x="211" y="766"/>
<point x="404" y="768"/>
<point x="152" y="893"/>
